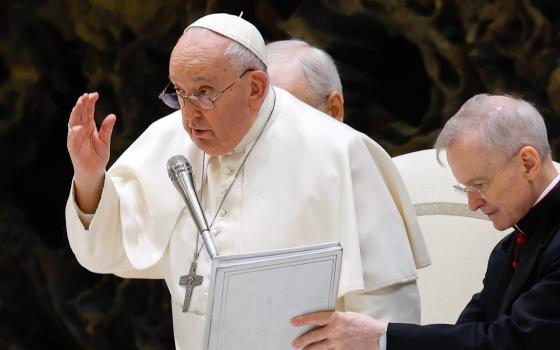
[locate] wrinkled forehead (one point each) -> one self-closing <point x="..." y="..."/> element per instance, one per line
<point x="469" y="146"/>
<point x="199" y="54"/>
<point x="198" y="44"/>
<point x="469" y="159"/>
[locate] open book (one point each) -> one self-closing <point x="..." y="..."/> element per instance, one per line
<point x="254" y="296"/>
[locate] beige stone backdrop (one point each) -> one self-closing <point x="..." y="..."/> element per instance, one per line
<point x="406" y="66"/>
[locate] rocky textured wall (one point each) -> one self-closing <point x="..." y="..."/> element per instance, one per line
<point x="406" y="66"/>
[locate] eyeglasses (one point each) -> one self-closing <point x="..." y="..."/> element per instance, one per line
<point x="482" y="188"/>
<point x="202" y="101"/>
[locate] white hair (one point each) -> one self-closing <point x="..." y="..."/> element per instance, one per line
<point x="240" y="57"/>
<point x="500" y="123"/>
<point x="317" y="65"/>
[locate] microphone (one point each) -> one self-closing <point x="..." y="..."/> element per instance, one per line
<point x="180" y="173"/>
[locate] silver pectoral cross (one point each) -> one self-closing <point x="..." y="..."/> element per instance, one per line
<point x="190" y="281"/>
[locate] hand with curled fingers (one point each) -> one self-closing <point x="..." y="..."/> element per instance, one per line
<point x="89" y="150"/>
<point x="339" y="331"/>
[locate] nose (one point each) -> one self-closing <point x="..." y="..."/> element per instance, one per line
<point x="475" y="201"/>
<point x="190" y="112"/>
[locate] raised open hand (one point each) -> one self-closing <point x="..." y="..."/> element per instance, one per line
<point x="89" y="150"/>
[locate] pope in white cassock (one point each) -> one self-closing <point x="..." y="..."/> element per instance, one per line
<point x="271" y="172"/>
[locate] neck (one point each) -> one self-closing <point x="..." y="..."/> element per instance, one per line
<point x="548" y="174"/>
<point x="259" y="118"/>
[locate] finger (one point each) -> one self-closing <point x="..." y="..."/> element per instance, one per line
<point x="106" y="129"/>
<point x="322" y="345"/>
<point x="90" y="109"/>
<point x="313" y="336"/>
<point x="315" y="319"/>
<point x="75" y="140"/>
<point x="76" y="113"/>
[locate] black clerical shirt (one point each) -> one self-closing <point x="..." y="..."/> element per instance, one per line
<point x="516" y="308"/>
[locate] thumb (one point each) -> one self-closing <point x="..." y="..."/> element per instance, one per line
<point x="320" y="318"/>
<point x="106" y="129"/>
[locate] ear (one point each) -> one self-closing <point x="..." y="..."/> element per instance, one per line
<point x="335" y="105"/>
<point x="531" y="161"/>
<point x="258" y="87"/>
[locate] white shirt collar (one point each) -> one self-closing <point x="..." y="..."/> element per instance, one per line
<point x="548" y="189"/>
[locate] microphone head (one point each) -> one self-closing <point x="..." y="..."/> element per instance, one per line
<point x="176" y="164"/>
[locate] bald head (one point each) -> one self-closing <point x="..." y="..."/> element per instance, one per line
<point x="307" y="73"/>
<point x="199" y="47"/>
<point x="210" y="44"/>
<point x="235" y="28"/>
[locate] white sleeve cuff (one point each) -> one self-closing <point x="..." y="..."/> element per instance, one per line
<point x="383" y="339"/>
<point x="84" y="217"/>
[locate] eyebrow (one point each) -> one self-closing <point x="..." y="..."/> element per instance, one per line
<point x="477" y="178"/>
<point x="197" y="79"/>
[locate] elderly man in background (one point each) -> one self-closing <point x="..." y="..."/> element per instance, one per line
<point x="271" y="172"/>
<point x="498" y="150"/>
<point x="308" y="73"/>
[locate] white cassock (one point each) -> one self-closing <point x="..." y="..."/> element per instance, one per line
<point x="309" y="179"/>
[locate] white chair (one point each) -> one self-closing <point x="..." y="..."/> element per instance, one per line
<point x="459" y="240"/>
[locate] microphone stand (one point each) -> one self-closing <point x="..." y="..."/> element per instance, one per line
<point x="180" y="173"/>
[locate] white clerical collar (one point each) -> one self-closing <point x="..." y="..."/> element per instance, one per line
<point x="548" y="189"/>
<point x="259" y="123"/>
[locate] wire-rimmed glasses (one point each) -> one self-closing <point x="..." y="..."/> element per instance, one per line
<point x="202" y="101"/>
<point x="482" y="188"/>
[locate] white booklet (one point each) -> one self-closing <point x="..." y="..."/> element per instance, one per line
<point x="254" y="296"/>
